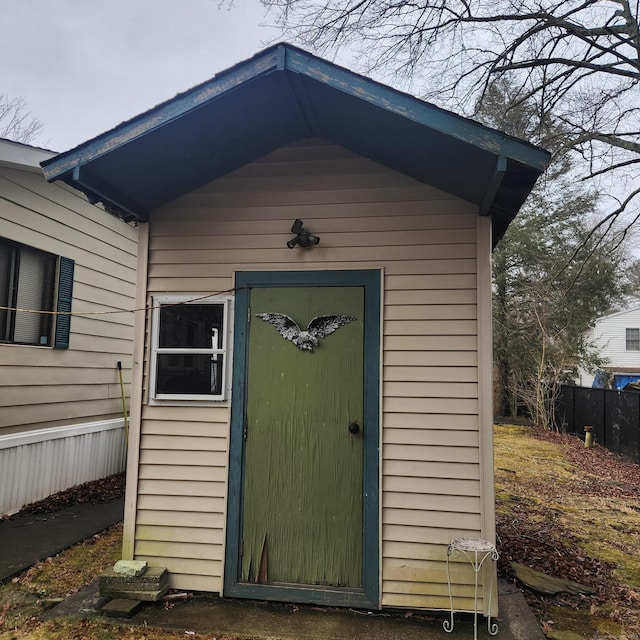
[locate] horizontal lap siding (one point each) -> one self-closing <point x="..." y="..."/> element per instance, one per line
<point x="182" y="483"/>
<point x="47" y="387"/>
<point x="367" y="217"/>
<point x="430" y="449"/>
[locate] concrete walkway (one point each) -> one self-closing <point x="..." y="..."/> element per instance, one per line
<point x="29" y="539"/>
<point x="203" y="613"/>
<point x="25" y="540"/>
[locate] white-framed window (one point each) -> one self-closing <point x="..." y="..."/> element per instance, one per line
<point x="632" y="339"/>
<point x="191" y="341"/>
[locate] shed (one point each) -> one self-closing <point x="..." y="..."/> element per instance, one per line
<point x="309" y="424"/>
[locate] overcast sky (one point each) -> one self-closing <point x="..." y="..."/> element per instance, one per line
<point x="84" y="66"/>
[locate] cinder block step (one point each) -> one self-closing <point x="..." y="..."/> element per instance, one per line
<point x="150" y="586"/>
<point x="134" y="594"/>
<point x="152" y="576"/>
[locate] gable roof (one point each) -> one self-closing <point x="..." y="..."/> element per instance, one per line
<point x="280" y="95"/>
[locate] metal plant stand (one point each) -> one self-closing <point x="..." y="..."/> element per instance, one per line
<point x="476" y="551"/>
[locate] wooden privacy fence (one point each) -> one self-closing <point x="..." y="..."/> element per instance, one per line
<point x="614" y="416"/>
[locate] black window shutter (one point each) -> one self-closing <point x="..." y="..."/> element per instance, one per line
<point x="65" y="294"/>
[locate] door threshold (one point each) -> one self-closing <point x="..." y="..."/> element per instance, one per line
<point x="304" y="594"/>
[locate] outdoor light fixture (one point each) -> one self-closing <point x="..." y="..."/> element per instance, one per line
<point x="303" y="238"/>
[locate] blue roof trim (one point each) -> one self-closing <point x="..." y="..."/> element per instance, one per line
<point x="286" y="57"/>
<point x="283" y="94"/>
<point x="410" y="107"/>
<point x="162" y="114"/>
<point x="494" y="185"/>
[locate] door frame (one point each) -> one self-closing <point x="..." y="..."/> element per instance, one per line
<point x="369" y="595"/>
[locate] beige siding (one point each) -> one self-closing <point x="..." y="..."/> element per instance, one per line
<point x="43" y="387"/>
<point x="367" y="217"/>
<point x="181" y="493"/>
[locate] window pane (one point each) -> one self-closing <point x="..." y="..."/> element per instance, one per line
<point x="191" y="326"/>
<point x="34" y="292"/>
<point x="189" y="374"/>
<point x="633" y="339"/>
<point x="7" y="264"/>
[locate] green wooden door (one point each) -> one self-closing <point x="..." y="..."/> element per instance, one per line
<point x="302" y="494"/>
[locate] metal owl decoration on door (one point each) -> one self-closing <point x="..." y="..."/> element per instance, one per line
<point x="309" y="338"/>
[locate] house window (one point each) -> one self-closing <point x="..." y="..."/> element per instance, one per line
<point x="33" y="281"/>
<point x="632" y="339"/>
<point x="190" y="354"/>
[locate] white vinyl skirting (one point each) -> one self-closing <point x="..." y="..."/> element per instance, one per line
<point x="36" y="464"/>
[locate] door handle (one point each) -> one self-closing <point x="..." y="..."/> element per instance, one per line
<point x="354" y="428"/>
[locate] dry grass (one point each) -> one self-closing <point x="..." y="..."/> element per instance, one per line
<point x="67" y="573"/>
<point x="58" y="577"/>
<point x="28" y="595"/>
<point x="573" y="513"/>
<point x="69" y="629"/>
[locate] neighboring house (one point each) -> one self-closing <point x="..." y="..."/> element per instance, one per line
<point x="338" y="470"/>
<point x="61" y="410"/>
<point x="617" y="338"/>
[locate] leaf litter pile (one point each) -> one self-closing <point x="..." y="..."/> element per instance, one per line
<point x="571" y="513"/>
<point x="95" y="492"/>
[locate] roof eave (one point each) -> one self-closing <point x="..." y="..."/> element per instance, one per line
<point x="509" y="154"/>
<point x="160" y="115"/>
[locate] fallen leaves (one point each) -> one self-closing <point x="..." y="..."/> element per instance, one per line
<point x="572" y="513"/>
<point x="98" y="491"/>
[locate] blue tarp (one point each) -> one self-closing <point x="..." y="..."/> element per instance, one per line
<point x="603" y="379"/>
<point x="622" y="381"/>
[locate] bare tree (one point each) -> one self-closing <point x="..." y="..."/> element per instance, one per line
<point x="553" y="275"/>
<point x="16" y="122"/>
<point x="578" y="60"/>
